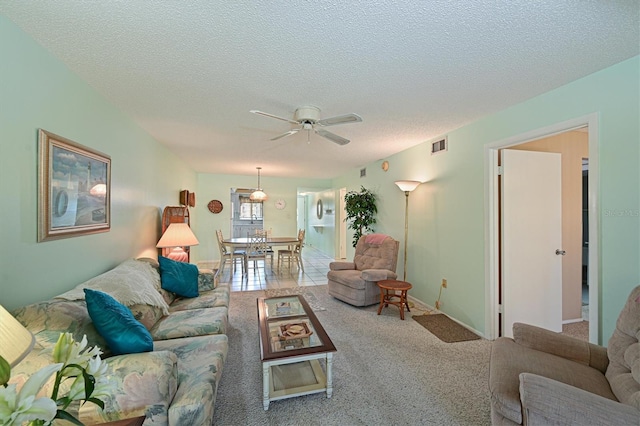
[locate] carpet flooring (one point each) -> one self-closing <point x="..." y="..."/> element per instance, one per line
<point x="444" y="328"/>
<point x="385" y="372"/>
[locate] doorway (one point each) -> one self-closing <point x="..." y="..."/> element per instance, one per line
<point x="492" y="226"/>
<point x="246" y="214"/>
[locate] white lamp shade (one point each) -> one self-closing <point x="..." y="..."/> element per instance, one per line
<point x="15" y="340"/>
<point x="178" y="235"/>
<point x="407" y="185"/>
<point x="258" y="195"/>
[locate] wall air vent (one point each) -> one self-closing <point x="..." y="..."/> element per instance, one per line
<point x="363" y="172"/>
<point x="439" y="146"/>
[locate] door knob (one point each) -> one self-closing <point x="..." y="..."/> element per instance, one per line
<point x="560" y="252"/>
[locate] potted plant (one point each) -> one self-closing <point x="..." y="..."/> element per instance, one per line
<point x="361" y="210"/>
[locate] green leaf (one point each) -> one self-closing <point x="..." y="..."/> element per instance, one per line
<point x="61" y="414"/>
<point x="5" y="371"/>
<point x="89" y="383"/>
<point x="96" y="401"/>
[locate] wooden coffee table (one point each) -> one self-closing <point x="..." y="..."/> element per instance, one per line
<point x="293" y="347"/>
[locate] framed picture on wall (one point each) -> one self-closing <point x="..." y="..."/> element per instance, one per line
<point x="74" y="189"/>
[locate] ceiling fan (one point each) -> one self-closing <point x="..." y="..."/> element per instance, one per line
<point x="308" y="118"/>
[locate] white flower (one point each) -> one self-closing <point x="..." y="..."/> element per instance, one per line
<point x="68" y="351"/>
<point x="19" y="407"/>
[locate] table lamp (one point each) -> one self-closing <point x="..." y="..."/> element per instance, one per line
<point x="15" y="340"/>
<point x="177" y="236"/>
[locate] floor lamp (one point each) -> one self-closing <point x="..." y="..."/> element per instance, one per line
<point x="407" y="186"/>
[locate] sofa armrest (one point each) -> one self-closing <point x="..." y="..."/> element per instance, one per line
<point x="206" y="280"/>
<point x="342" y="266"/>
<point x="549" y="402"/>
<point x="142" y="384"/>
<point x="564" y="346"/>
<point x="378" y="275"/>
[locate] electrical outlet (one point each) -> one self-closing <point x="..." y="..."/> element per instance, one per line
<point x="444" y="283"/>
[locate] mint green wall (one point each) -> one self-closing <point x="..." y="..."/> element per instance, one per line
<point x="446" y="213"/>
<point x="38" y="91"/>
<point x="217" y="187"/>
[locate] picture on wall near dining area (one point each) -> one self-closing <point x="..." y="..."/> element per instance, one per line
<point x="74" y="189"/>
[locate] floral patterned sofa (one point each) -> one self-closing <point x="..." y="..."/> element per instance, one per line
<point x="176" y="383"/>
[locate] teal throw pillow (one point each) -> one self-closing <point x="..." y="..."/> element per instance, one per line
<point x="180" y="278"/>
<point x="116" y="324"/>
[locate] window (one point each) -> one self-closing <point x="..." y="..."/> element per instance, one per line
<point x="250" y="209"/>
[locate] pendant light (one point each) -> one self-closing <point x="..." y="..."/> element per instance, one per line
<point x="258" y="194"/>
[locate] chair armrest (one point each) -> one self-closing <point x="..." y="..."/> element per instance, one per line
<point x="142" y="384"/>
<point x="549" y="402"/>
<point x="206" y="280"/>
<point x="378" y="275"/>
<point x="563" y="346"/>
<point x="342" y="266"/>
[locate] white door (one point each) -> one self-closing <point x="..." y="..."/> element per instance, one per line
<point x="531" y="244"/>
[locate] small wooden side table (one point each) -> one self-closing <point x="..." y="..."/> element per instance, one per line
<point x="388" y="289"/>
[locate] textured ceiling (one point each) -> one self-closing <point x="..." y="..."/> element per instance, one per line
<point x="189" y="71"/>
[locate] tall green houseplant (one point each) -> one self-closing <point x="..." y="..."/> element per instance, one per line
<point x="361" y="211"/>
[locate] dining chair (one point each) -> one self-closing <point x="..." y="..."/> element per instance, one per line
<point x="225" y="254"/>
<point x="256" y="250"/>
<point x="293" y="252"/>
<point x="267" y="234"/>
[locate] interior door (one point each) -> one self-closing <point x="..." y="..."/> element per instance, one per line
<point x="531" y="239"/>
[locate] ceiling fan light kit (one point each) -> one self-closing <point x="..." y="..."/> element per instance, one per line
<point x="308" y="117"/>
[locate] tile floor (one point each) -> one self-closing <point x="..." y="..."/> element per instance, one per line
<point x="316" y="266"/>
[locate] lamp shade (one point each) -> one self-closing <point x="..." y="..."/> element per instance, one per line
<point x="258" y="195"/>
<point x="178" y="235"/>
<point x="15" y="340"/>
<point x="407" y="185"/>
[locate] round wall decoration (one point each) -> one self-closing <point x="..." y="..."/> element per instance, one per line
<point x="214" y="206"/>
<point x="319" y="210"/>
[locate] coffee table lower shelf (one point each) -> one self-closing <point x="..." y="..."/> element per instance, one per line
<point x="296" y="376"/>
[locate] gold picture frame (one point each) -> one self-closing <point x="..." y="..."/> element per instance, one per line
<point x="74" y="192"/>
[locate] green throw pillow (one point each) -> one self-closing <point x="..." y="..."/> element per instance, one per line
<point x="116" y="324"/>
<point x="178" y="277"/>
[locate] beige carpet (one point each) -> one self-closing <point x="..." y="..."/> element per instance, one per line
<point x="385" y="372"/>
<point x="445" y="329"/>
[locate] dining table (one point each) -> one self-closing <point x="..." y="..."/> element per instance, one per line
<point x="243" y="242"/>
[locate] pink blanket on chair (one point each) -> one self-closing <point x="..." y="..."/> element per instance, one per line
<point x="375" y="238"/>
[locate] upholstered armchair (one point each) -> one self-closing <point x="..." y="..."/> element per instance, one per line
<point x="544" y="378"/>
<point x="356" y="282"/>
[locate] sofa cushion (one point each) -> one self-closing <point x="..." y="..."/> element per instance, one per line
<point x="509" y="359"/>
<point x="47" y="319"/>
<point x="179" y="277"/>
<point x="130" y="282"/>
<point x="147" y="315"/>
<point x="115" y="322"/>
<point x="207" y="299"/>
<point x="349" y="277"/>
<point x="192" y="322"/>
<point x="200" y="362"/>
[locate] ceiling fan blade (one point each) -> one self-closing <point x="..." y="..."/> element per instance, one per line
<point x="266" y="114"/>
<point x="289" y="133"/>
<point x="332" y="137"/>
<point x="340" y="119"/>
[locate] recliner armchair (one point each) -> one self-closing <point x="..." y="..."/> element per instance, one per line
<point x="355" y="282"/>
<point x="544" y="378"/>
